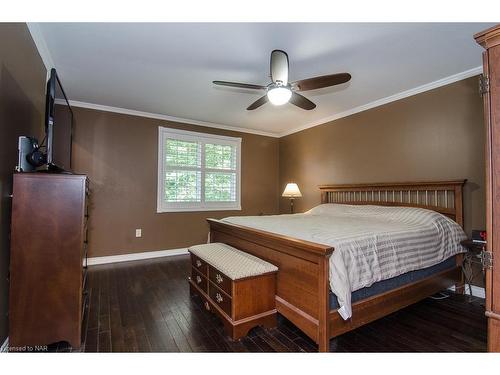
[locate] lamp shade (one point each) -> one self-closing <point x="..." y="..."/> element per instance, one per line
<point x="291" y="191"/>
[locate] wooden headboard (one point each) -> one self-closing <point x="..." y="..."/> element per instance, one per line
<point x="442" y="196"/>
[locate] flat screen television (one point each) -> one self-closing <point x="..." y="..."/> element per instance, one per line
<point x="58" y="126"/>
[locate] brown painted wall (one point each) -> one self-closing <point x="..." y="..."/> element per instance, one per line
<point x="431" y="136"/>
<point x="436" y="135"/>
<point x="120" y="152"/>
<point x="22" y="105"/>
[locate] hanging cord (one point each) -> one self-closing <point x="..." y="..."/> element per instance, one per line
<point x="42" y="144"/>
<point x="439" y="296"/>
<point x="468" y="271"/>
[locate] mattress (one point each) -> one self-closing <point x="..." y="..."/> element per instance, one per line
<point x="395" y="282"/>
<point x="372" y="243"/>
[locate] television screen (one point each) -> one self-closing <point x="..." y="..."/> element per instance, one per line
<point x="59" y="126"/>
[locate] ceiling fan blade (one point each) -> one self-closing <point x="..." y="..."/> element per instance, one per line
<point x="279" y="66"/>
<point x="240" y="85"/>
<point x="261" y="101"/>
<point x="302" y="101"/>
<point x="322" y="81"/>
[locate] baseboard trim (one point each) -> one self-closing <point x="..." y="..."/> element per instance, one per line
<point x="5" y="346"/>
<point x="135" y="256"/>
<point x="477" y="291"/>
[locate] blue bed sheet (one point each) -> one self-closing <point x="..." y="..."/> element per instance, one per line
<point x="396" y="282"/>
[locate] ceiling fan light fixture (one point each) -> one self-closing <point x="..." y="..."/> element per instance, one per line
<point x="281" y="90"/>
<point x="279" y="95"/>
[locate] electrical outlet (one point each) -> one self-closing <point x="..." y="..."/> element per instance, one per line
<point x="138" y="232"/>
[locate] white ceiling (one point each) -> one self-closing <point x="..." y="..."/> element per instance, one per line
<point x="168" y="68"/>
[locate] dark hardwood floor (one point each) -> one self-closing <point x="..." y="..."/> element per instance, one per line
<point x="145" y="306"/>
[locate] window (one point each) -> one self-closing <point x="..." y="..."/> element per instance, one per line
<point x="197" y="171"/>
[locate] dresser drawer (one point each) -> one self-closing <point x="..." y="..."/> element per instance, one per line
<point x="199" y="264"/>
<point x="220" y="299"/>
<point x="219" y="279"/>
<point x="199" y="279"/>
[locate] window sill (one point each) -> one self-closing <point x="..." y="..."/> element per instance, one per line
<point x="198" y="209"/>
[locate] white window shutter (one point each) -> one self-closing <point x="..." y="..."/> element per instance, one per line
<point x="197" y="171"/>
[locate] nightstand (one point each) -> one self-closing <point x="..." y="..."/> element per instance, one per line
<point x="471" y="257"/>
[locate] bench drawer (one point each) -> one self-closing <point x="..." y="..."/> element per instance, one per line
<point x="220" y="298"/>
<point x="199" y="264"/>
<point x="221" y="280"/>
<point x="242" y="301"/>
<point x="199" y="279"/>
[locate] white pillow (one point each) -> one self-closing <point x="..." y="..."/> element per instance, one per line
<point x="326" y="208"/>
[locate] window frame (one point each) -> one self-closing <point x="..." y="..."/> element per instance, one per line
<point x="203" y="138"/>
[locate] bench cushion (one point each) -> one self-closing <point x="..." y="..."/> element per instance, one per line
<point x="232" y="262"/>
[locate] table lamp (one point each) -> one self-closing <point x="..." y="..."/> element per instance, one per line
<point x="291" y="191"/>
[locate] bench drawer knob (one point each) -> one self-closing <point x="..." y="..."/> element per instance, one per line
<point x="198" y="263"/>
<point x="219" y="278"/>
<point x="198" y="279"/>
<point x="219" y="298"/>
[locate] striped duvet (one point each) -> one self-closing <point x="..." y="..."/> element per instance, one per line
<point x="372" y="243"/>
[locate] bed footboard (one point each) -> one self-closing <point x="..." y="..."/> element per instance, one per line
<point x="302" y="281"/>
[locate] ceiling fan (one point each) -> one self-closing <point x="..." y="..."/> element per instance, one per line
<point x="280" y="91"/>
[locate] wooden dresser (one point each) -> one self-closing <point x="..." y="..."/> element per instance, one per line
<point x="48" y="259"/>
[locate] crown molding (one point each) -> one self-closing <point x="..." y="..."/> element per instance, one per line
<point x="41" y="45"/>
<point x="133" y="112"/>
<point x="401" y="95"/>
<point x="46" y="56"/>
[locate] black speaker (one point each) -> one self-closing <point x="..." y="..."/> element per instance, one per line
<point x="29" y="155"/>
<point x="37" y="158"/>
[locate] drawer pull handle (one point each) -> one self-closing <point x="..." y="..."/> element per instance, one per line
<point x="219" y="278"/>
<point x="198" y="263"/>
<point x="198" y="279"/>
<point x="219" y="298"/>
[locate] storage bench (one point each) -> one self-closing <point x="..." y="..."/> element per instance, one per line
<point x="237" y="286"/>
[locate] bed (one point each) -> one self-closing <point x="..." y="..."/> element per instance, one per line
<point x="303" y="285"/>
